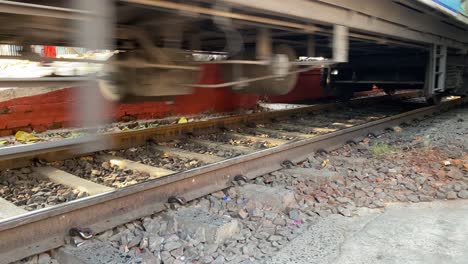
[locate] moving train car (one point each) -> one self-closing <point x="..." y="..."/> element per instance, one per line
<point x="260" y="46"/>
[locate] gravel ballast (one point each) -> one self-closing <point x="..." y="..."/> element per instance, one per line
<point x="423" y="162"/>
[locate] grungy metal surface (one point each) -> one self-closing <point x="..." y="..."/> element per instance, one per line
<point x="45" y="229"/>
<point x="382" y="18"/>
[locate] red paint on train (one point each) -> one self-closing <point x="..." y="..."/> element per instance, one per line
<point x="54" y="109"/>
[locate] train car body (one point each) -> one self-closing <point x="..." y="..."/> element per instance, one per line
<point x="260" y="46"/>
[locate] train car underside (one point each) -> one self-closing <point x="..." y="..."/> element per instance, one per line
<point x="403" y="69"/>
<point x="261" y="46"/>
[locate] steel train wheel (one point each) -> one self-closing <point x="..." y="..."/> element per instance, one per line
<point x="275" y="86"/>
<point x="435" y="99"/>
<point x="389" y="91"/>
<point x="125" y="83"/>
<point x="114" y="82"/>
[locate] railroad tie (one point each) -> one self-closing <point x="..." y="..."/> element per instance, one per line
<point x="8" y="209"/>
<point x="284" y="133"/>
<point x="137" y="166"/>
<point x="221" y="146"/>
<point x="189" y="155"/>
<point x="72" y="181"/>
<point x="273" y="141"/>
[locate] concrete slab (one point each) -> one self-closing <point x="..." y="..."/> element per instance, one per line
<point x="202" y="225"/>
<point x="66" y="179"/>
<point x="420" y="233"/>
<point x="8" y="209"/>
<point x="268" y="197"/>
<point x="133" y="165"/>
<point x="413" y="233"/>
<point x="92" y="253"/>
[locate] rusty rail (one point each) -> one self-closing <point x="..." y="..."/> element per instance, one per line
<point x="23" y="155"/>
<point x="46" y="229"/>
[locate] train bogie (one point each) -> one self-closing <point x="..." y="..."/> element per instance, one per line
<point x="258" y="45"/>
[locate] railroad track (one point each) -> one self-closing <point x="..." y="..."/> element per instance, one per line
<point x="167" y="168"/>
<point x="23" y="155"/>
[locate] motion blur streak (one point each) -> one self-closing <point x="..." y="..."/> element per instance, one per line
<point x="94" y="33"/>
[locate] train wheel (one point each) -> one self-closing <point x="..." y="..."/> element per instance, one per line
<point x="110" y="91"/>
<point x="275" y="86"/>
<point x="114" y="82"/>
<point x="435" y="99"/>
<point x="389" y="91"/>
<point x="133" y="81"/>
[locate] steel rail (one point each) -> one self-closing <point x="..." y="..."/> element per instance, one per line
<point x="45" y="229"/>
<point x="23" y="155"/>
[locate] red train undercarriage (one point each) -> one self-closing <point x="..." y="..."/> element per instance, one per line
<point x="54" y="109"/>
